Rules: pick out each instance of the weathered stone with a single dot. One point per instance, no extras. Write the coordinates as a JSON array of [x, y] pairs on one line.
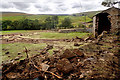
[[12, 75], [64, 65], [20, 56], [56, 51], [68, 54], [44, 67], [80, 39], [89, 41], [7, 53], [17, 58], [9, 56], [78, 52], [76, 44], [19, 53], [74, 60], [11, 39], [49, 46]]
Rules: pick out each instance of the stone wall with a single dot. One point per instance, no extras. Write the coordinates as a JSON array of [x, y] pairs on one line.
[[115, 18], [75, 30]]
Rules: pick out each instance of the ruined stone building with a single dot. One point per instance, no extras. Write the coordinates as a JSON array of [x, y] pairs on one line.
[[107, 20]]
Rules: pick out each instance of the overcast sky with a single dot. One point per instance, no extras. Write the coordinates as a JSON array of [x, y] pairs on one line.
[[51, 6]]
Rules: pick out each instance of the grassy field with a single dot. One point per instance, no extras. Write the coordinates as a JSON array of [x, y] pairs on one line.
[[46, 34], [76, 20], [15, 48], [56, 35], [19, 47], [13, 31]]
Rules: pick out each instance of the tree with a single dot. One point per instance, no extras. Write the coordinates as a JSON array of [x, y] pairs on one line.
[[48, 23], [5, 24], [66, 23], [110, 3], [55, 21]]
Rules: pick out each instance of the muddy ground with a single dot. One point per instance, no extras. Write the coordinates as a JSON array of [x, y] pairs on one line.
[[98, 60]]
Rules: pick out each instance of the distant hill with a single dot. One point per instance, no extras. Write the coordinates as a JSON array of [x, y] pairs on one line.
[[76, 18], [5, 14], [89, 14]]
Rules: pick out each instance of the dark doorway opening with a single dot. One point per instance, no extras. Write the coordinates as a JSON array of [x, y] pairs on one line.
[[104, 23]]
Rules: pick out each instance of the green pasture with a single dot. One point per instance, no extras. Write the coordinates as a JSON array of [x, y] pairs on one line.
[[56, 35], [15, 48], [19, 47], [75, 19]]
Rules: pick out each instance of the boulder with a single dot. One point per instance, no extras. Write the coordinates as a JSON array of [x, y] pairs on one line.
[[68, 54], [78, 52], [64, 65]]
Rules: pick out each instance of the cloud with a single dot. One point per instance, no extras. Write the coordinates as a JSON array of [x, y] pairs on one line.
[[43, 8], [6, 4], [51, 6], [21, 5]]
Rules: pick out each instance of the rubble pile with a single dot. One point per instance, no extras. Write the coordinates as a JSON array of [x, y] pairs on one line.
[[98, 60]]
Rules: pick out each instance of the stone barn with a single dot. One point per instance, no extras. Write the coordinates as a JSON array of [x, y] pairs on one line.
[[107, 20]]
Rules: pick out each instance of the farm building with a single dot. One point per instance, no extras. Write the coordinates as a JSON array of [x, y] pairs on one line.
[[107, 20]]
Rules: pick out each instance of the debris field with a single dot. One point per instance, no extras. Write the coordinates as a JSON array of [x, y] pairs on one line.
[[98, 60]]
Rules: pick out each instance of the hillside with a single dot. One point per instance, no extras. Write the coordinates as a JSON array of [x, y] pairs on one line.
[[76, 18], [5, 14], [90, 14]]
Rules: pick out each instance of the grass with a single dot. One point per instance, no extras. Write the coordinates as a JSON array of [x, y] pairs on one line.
[[15, 48], [56, 35], [47, 35], [13, 31]]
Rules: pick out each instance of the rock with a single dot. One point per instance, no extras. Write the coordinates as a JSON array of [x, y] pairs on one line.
[[7, 53], [80, 39], [89, 41], [64, 65], [74, 60], [19, 53], [12, 75], [9, 56], [49, 46], [44, 67], [78, 52], [20, 56], [11, 39], [68, 54], [21, 34], [79, 64], [56, 51], [76, 44], [81, 76], [103, 34], [17, 58]]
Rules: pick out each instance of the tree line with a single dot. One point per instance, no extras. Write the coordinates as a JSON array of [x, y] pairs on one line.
[[28, 24]]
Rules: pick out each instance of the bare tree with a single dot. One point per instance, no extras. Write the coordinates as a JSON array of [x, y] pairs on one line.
[[110, 3]]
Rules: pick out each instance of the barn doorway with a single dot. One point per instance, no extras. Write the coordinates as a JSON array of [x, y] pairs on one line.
[[104, 23]]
